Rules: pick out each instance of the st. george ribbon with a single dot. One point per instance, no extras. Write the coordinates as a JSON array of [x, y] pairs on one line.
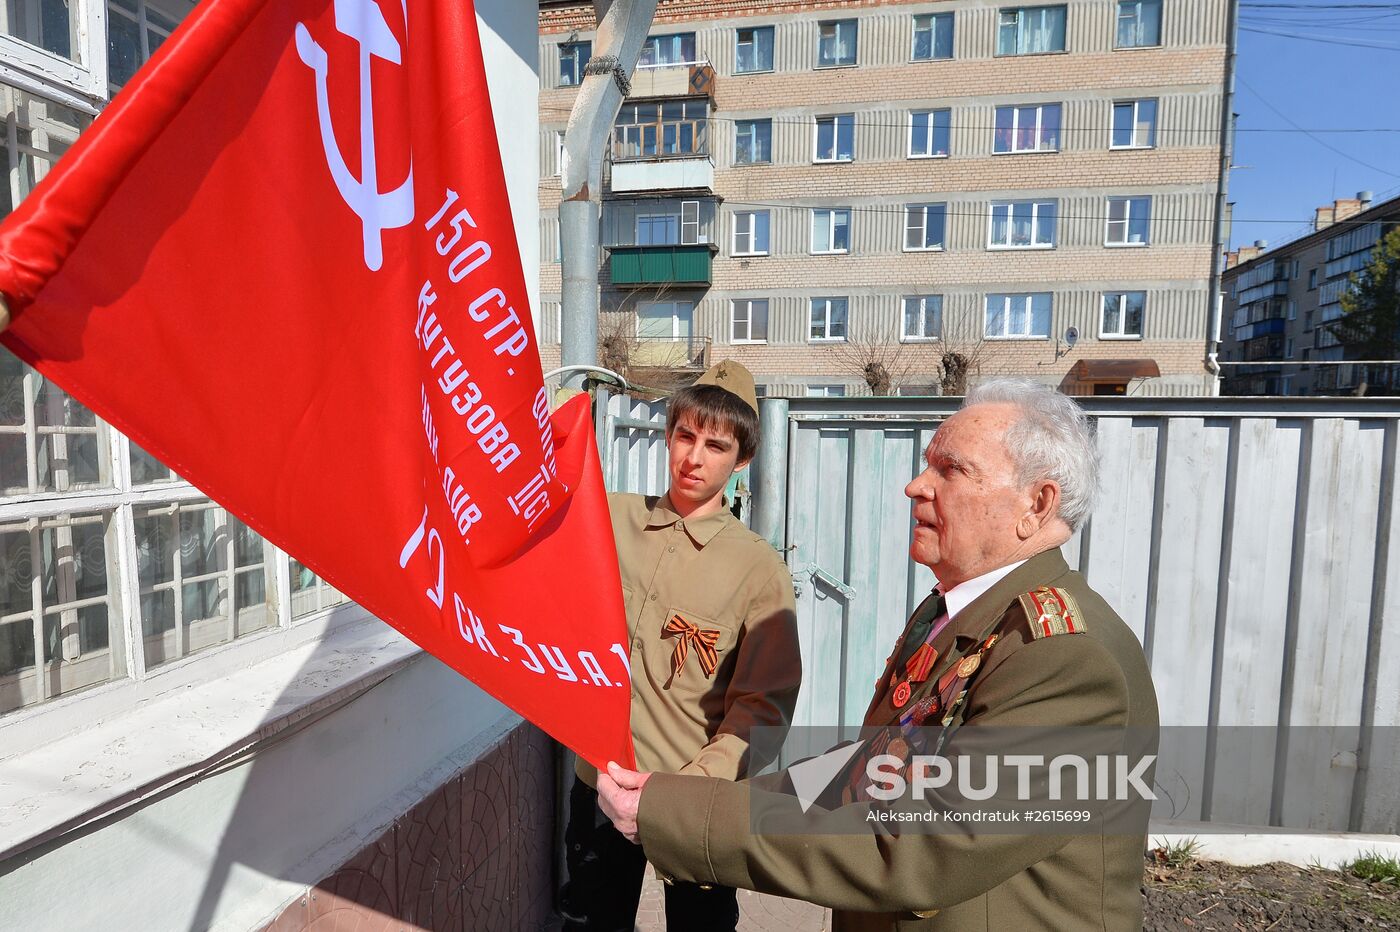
[[283, 262]]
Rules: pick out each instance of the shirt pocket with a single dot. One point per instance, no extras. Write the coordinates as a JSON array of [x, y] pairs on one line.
[[705, 639]]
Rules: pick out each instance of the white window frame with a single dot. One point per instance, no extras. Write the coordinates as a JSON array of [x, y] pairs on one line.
[[1021, 15], [916, 217], [1039, 129], [671, 217], [1037, 209], [1118, 19], [772, 47], [1121, 298], [1135, 103], [1128, 201], [930, 133], [838, 25], [835, 119], [831, 226], [676, 317], [927, 303], [826, 313], [653, 42], [37, 71], [751, 233], [579, 65], [748, 304], [1029, 298], [755, 123], [933, 21], [824, 391]]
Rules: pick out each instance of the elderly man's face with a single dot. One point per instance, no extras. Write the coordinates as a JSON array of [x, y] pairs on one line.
[[967, 502]]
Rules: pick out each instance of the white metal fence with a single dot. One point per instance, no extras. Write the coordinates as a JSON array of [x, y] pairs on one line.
[[1247, 542]]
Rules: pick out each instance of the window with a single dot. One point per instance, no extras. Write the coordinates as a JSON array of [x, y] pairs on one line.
[[1022, 225], [828, 319], [750, 233], [923, 226], [558, 152], [659, 51], [831, 230], [923, 317], [33, 134], [658, 229], [1134, 124], [664, 320], [933, 37], [129, 46], [826, 391], [748, 320], [1288, 348], [661, 129], [1127, 221], [572, 57], [753, 50], [1030, 30], [1018, 316], [1312, 279], [1139, 23], [753, 141], [836, 138], [1122, 315], [836, 43], [928, 133], [1030, 128], [1292, 309]]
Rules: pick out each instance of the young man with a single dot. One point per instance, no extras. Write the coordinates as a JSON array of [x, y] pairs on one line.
[[714, 653]]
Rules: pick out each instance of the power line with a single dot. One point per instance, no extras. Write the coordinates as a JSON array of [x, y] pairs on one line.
[[1355, 43], [1321, 142]]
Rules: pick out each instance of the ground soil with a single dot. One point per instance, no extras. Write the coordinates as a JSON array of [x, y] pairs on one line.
[[1209, 895]]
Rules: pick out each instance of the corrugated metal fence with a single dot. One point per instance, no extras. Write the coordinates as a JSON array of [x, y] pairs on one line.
[[1252, 544]]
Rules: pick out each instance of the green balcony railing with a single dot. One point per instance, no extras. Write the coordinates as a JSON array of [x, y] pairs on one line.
[[660, 265]]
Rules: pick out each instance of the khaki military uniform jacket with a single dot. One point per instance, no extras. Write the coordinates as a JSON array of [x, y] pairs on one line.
[[701, 830], [695, 591]]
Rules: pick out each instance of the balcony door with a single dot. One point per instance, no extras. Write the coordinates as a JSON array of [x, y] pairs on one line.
[[664, 320]]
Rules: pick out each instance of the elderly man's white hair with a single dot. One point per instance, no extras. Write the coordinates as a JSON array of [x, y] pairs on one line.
[[1049, 440]]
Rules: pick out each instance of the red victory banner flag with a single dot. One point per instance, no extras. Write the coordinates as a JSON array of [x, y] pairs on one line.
[[283, 262]]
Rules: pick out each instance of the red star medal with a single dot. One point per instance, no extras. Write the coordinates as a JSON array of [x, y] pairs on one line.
[[901, 695]]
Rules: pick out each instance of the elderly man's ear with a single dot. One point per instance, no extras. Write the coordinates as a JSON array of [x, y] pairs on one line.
[[1044, 509]]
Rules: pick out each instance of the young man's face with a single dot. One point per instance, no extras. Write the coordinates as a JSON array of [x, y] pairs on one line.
[[702, 460]]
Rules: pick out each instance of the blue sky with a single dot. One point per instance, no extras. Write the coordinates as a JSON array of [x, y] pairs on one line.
[[1317, 85]]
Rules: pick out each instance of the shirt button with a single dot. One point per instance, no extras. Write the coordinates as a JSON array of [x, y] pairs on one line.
[[671, 549], [653, 596], [680, 525]]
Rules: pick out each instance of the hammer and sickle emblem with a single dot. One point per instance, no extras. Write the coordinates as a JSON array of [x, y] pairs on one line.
[[362, 21]]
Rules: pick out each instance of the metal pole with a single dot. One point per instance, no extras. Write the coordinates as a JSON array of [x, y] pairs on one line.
[[1222, 191], [621, 31], [769, 472]]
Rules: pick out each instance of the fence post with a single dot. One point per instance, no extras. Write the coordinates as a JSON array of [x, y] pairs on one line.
[[769, 484]]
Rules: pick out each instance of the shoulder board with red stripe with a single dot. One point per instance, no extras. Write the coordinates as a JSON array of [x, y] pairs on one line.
[[1052, 611]]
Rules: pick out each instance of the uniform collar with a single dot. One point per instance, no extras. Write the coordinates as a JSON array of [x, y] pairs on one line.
[[700, 530], [965, 593]]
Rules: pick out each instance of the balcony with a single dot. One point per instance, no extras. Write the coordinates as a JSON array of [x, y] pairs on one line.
[[688, 352], [640, 266], [662, 145], [673, 79], [1260, 328]]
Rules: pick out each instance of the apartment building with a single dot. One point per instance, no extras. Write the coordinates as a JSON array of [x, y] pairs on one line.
[[1278, 303], [826, 191]]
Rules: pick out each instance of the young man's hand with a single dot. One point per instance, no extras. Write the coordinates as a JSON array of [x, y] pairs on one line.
[[619, 795]]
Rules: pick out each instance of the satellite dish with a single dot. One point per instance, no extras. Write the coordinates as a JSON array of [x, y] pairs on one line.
[[1072, 336]]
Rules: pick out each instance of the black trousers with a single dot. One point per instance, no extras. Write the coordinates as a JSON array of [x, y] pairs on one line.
[[605, 880]]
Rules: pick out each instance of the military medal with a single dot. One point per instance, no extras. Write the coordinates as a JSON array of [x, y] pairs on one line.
[[901, 695], [968, 665], [921, 664], [899, 748], [924, 709]]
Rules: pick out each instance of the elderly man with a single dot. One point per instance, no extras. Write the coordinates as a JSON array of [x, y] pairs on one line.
[[1011, 637]]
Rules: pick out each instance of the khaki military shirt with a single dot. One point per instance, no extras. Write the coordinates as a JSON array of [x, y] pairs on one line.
[[724, 833], [715, 576]]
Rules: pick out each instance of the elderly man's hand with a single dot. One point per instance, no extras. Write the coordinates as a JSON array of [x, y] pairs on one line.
[[619, 795]]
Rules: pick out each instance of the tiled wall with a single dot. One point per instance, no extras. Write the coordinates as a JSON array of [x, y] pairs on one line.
[[475, 855]]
